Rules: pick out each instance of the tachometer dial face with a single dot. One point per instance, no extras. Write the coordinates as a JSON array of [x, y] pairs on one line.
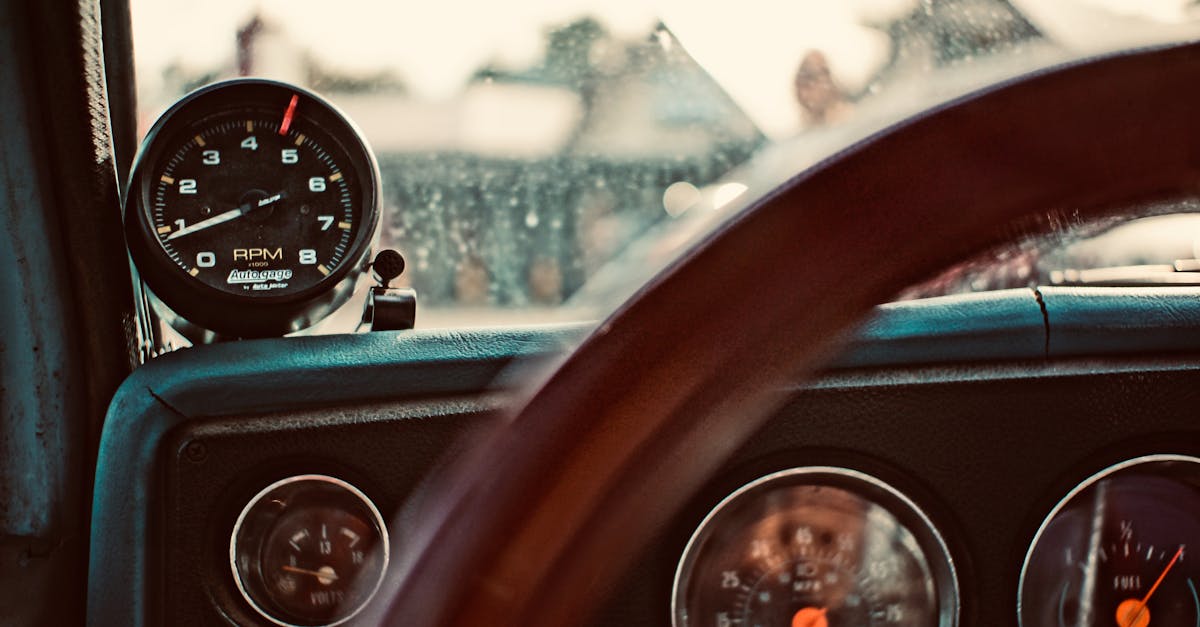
[[816, 547], [308, 550], [248, 209], [1117, 551], [250, 203]]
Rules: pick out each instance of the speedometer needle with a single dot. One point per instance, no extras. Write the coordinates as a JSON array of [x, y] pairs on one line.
[[1130, 610], [222, 218]]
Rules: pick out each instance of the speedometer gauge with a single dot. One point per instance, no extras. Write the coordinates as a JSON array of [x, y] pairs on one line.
[[816, 547], [252, 208]]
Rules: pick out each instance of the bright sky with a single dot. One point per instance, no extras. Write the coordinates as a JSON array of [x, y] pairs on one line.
[[434, 45], [752, 47]]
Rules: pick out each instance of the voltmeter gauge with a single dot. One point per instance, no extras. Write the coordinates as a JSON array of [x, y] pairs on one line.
[[308, 551], [252, 208]]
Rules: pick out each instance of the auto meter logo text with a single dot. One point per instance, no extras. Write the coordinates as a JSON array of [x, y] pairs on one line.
[[242, 277]]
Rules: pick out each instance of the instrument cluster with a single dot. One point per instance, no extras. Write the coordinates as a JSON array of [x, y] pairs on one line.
[[836, 547], [252, 210]]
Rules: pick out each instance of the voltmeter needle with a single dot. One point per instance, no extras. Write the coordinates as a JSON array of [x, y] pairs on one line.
[[326, 574]]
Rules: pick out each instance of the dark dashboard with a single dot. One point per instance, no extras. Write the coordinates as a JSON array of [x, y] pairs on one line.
[[1020, 457], [984, 446]]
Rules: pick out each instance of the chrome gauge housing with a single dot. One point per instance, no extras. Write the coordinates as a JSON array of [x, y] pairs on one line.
[[816, 546], [308, 551], [1119, 549], [252, 208]]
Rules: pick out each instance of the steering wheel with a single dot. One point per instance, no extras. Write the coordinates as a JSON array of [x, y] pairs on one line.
[[534, 525]]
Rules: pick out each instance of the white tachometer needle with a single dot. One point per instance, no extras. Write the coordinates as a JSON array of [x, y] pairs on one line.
[[222, 218]]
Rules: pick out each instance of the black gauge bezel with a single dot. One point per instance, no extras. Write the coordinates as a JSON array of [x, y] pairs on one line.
[[248, 588], [1174, 466], [262, 315], [908, 513]]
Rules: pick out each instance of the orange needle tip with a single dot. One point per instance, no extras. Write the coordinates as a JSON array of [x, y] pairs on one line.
[[1131, 613], [810, 617]]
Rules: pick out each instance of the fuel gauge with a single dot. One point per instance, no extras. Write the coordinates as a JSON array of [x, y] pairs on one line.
[[1119, 551], [308, 551]]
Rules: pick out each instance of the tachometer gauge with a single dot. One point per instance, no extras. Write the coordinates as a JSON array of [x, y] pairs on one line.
[[1118, 551], [816, 547], [309, 550], [252, 208]]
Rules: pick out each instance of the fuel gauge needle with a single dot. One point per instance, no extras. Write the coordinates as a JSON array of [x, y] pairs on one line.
[[222, 218], [1130, 611]]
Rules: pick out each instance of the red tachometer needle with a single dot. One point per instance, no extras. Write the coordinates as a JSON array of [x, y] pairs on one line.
[[1130, 611], [287, 115]]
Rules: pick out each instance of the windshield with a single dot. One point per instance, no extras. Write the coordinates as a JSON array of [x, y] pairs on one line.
[[525, 147]]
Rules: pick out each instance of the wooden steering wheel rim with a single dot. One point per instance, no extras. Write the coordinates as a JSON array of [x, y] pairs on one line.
[[536, 523]]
